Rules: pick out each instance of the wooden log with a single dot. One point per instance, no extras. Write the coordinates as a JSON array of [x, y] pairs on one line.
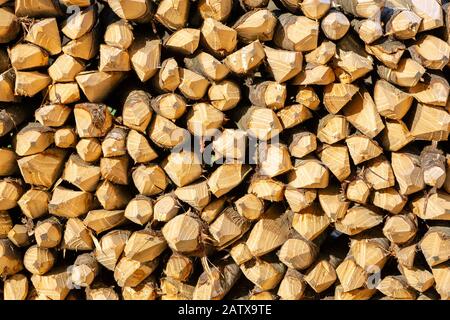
[[70, 203], [337, 95], [215, 9], [433, 91], [332, 128], [336, 158], [361, 112], [113, 59], [38, 260], [268, 94], [33, 138], [361, 8], [52, 115], [146, 290], [65, 138], [89, 149], [322, 54], [207, 65], [310, 222], [43, 8], [84, 270], [407, 73], [96, 85], [79, 23], [299, 199], [15, 287], [212, 209], [408, 173], [173, 14], [8, 163], [312, 172], [185, 239], [10, 25], [18, 235], [431, 207], [25, 56], [6, 224], [178, 267], [115, 169], [283, 64], [315, 9], [99, 291], [182, 167], [165, 133], [29, 83], [333, 203], [139, 148], [389, 199], [296, 33], [165, 208], [423, 129], [431, 14], [434, 245], [215, 283], [77, 236], [403, 24], [357, 294], [176, 290], [85, 47], [54, 285], [322, 275], [138, 11], [335, 25], [419, 279], [92, 120], [400, 229], [10, 192], [103, 220], [110, 247], [370, 251], [298, 253], [351, 66], [145, 245], [10, 258], [307, 97], [65, 68], [358, 191], [379, 173], [139, 210], [351, 275], [227, 177], [315, 74], [192, 85], [119, 34], [369, 30], [395, 135], [362, 148], [441, 274], [358, 219], [218, 38], [224, 95], [302, 144], [249, 206], [168, 77], [170, 105], [50, 164], [264, 274], [256, 24], [197, 195], [145, 56], [64, 93], [7, 84], [267, 188], [112, 196], [204, 120], [396, 287], [34, 202], [240, 253], [184, 41], [391, 102], [48, 233], [246, 59]]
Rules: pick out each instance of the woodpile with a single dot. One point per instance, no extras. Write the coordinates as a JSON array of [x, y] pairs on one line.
[[224, 149]]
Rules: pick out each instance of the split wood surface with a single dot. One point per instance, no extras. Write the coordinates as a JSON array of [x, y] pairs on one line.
[[224, 149]]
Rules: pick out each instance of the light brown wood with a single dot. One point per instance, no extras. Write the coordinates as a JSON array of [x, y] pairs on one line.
[[53, 285], [18, 235], [310, 222], [112, 196], [296, 33], [38, 260], [264, 274], [246, 59], [77, 236], [335, 25], [185, 239], [119, 34], [145, 245], [139, 210], [70, 203], [145, 56], [15, 287], [110, 247], [197, 195], [173, 14]]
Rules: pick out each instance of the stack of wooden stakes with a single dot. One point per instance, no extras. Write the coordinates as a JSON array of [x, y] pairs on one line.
[[224, 149]]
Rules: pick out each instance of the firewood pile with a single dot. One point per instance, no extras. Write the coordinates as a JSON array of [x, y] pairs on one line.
[[224, 149]]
